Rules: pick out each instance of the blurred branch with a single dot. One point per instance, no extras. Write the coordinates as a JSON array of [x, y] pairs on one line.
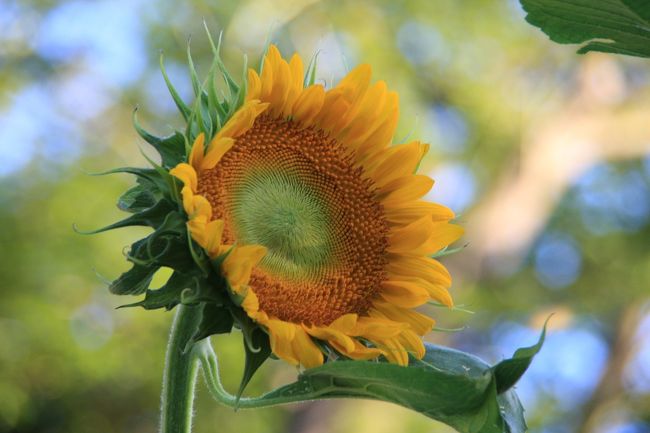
[[594, 126], [610, 388]]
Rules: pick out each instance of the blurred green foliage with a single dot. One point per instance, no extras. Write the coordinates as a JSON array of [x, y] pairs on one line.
[[476, 82]]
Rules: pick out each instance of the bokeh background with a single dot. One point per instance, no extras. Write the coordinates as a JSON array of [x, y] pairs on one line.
[[544, 154]]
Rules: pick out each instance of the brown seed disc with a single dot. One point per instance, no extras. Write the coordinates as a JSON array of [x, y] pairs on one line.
[[298, 192]]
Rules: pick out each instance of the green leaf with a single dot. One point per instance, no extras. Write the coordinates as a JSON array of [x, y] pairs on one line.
[[258, 350], [610, 26], [509, 371], [450, 386]]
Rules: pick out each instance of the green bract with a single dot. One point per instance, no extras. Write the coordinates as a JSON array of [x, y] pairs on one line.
[[155, 202]]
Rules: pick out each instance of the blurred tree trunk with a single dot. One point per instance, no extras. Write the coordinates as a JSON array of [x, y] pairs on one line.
[[313, 417], [610, 390], [598, 123]]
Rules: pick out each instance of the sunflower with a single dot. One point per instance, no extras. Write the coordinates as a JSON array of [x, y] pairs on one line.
[[316, 219]]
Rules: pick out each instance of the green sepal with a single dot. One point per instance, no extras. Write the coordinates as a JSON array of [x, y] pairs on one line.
[[310, 74], [135, 281], [257, 351], [170, 148], [164, 247], [256, 345], [161, 248], [151, 217], [182, 107], [216, 111], [446, 251], [136, 199], [196, 86], [245, 324], [215, 319], [169, 295], [147, 177]]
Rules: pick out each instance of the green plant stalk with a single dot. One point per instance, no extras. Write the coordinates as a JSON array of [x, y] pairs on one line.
[[210, 367], [179, 377]]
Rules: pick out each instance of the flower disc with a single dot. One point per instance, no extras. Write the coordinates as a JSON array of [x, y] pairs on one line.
[[296, 192]]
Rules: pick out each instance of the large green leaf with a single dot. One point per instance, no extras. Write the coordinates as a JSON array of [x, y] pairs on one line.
[[454, 387], [610, 26]]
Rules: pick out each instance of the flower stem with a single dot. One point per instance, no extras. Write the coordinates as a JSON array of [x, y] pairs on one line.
[[179, 377]]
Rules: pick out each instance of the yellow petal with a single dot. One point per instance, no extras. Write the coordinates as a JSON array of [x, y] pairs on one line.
[[196, 154], [281, 335], [243, 119], [297, 71], [444, 234], [376, 326], [438, 292], [397, 161], [405, 189], [217, 149], [331, 335], [281, 87], [295, 86], [345, 323], [196, 227], [418, 322], [424, 237], [355, 83], [358, 351], [309, 104], [364, 116], [412, 343], [333, 110], [254, 85], [425, 268], [404, 294], [412, 211], [393, 351], [238, 265], [271, 60], [377, 138], [409, 238], [188, 200], [305, 350], [186, 174], [201, 207], [213, 232], [251, 304]]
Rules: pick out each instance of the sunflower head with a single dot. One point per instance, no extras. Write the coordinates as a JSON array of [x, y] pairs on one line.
[[285, 210]]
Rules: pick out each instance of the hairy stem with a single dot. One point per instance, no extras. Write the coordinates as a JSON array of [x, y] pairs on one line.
[[179, 377]]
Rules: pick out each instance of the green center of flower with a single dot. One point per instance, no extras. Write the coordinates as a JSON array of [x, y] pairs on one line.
[[277, 210]]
